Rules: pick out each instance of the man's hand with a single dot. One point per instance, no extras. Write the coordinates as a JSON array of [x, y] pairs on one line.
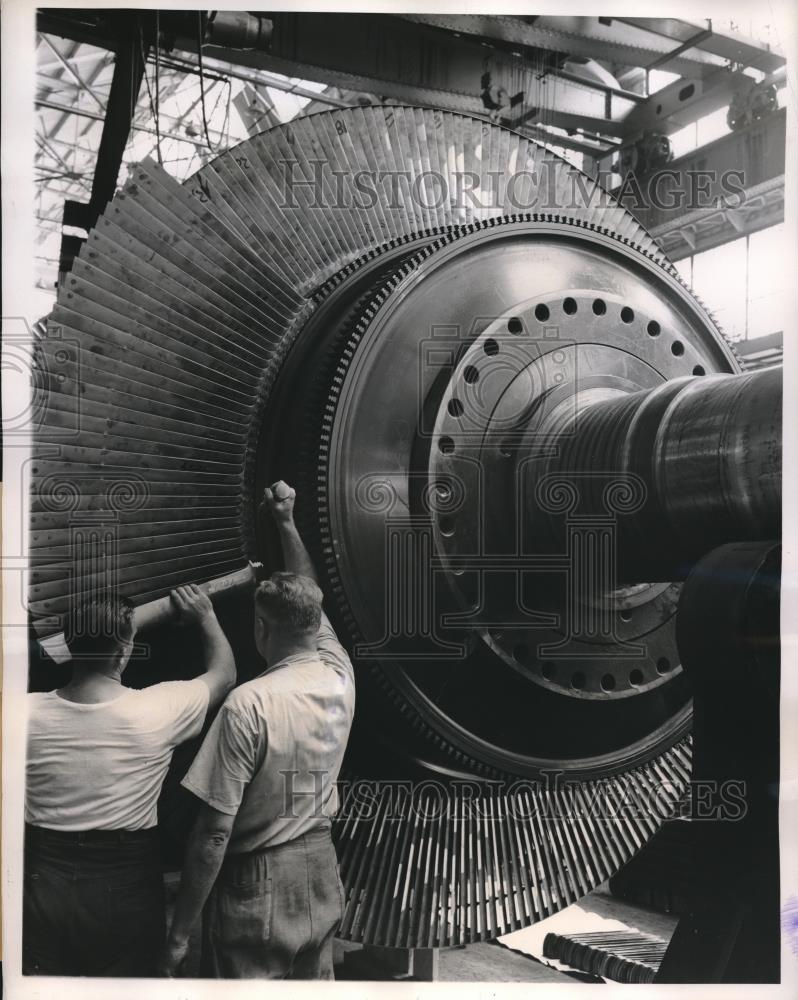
[[172, 957], [205, 851], [192, 604], [279, 499]]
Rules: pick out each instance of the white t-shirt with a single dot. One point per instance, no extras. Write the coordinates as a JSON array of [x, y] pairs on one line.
[[101, 767]]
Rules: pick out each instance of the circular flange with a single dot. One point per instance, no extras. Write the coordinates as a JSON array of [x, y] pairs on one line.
[[388, 373], [527, 375]]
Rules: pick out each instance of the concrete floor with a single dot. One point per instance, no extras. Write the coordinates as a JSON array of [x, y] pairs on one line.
[[485, 962], [490, 963]]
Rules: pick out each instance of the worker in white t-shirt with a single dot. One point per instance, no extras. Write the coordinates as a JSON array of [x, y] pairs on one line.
[[98, 753]]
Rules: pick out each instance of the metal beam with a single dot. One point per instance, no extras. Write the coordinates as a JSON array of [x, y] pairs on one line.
[[398, 58], [55, 141], [563, 142], [72, 72], [694, 203], [79, 25], [628, 41], [48, 173], [103, 55], [542, 134], [627, 95], [727, 45], [45, 145], [258, 77], [596, 126], [710, 227], [99, 67], [379, 54], [683, 102], [84, 113], [122, 99], [55, 82], [41, 102], [668, 58], [577, 36], [57, 126]]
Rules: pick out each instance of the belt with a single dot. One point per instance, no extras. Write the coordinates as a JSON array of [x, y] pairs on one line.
[[319, 834], [42, 834]]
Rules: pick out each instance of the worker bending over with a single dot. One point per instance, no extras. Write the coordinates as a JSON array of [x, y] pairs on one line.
[[261, 851], [98, 753]]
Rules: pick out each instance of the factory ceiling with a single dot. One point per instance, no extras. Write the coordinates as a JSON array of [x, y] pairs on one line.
[[589, 86]]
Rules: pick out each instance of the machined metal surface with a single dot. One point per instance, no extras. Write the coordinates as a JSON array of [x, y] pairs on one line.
[[705, 453], [378, 304]]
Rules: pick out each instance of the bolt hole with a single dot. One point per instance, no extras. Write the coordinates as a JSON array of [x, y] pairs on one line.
[[699, 370], [599, 307], [653, 328], [455, 407], [547, 669], [471, 374], [626, 615], [541, 313], [521, 652], [677, 348], [569, 306], [627, 314], [578, 680], [443, 492], [636, 678], [490, 347], [607, 682], [446, 445], [446, 526], [663, 665], [514, 325]]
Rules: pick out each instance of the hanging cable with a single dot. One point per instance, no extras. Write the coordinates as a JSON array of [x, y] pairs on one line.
[[202, 81], [226, 126], [154, 111], [158, 83]]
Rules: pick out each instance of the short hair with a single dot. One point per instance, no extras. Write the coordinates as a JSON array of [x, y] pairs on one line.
[[99, 628], [290, 603]]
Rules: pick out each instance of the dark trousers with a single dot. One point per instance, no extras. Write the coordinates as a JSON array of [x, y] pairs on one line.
[[273, 913], [93, 903]]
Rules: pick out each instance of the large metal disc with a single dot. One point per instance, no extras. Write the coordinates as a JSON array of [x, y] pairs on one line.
[[266, 319]]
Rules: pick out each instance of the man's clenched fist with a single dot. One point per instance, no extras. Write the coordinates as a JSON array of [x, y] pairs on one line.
[[279, 499]]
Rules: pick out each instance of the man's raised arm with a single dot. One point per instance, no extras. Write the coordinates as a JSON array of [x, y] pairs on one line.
[[279, 499], [220, 666]]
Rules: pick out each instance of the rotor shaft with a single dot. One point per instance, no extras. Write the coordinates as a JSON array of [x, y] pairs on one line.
[[697, 461]]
